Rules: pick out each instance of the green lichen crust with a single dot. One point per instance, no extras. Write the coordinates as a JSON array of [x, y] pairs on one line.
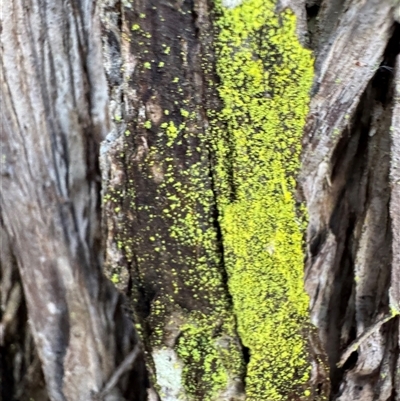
[[265, 78]]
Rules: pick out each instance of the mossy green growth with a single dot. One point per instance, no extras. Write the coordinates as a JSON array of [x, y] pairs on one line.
[[265, 77]]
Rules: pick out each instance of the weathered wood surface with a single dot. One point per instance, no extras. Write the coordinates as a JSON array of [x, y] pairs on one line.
[[394, 296], [347, 150], [54, 115]]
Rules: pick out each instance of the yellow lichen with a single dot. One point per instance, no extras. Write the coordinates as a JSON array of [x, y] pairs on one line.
[[265, 81], [210, 362], [183, 251]]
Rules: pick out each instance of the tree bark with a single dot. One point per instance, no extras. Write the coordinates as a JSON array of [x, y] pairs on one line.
[[162, 234], [21, 375], [349, 147], [54, 114], [196, 152]]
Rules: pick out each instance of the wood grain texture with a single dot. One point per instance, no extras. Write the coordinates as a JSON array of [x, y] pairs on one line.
[[54, 114], [395, 214], [345, 181]]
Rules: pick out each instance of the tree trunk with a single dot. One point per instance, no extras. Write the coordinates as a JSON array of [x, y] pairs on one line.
[[350, 145], [54, 114], [206, 211]]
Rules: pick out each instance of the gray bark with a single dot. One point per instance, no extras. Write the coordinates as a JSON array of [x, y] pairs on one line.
[[350, 145], [54, 115]]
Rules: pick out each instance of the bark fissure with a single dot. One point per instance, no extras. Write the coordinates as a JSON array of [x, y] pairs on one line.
[[350, 233], [21, 376]]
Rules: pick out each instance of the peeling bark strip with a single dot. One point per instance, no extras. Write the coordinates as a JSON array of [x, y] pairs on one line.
[[54, 114], [348, 151]]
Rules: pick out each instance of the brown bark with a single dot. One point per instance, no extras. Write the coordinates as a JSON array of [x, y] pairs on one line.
[[163, 246]]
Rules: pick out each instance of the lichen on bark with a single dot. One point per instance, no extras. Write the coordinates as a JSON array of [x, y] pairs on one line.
[[265, 78], [163, 210], [169, 234]]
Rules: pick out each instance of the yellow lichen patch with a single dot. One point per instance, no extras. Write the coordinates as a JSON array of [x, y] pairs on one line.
[[172, 133], [265, 81], [215, 359]]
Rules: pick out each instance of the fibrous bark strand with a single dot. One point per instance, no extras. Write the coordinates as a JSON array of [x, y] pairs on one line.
[[54, 115]]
